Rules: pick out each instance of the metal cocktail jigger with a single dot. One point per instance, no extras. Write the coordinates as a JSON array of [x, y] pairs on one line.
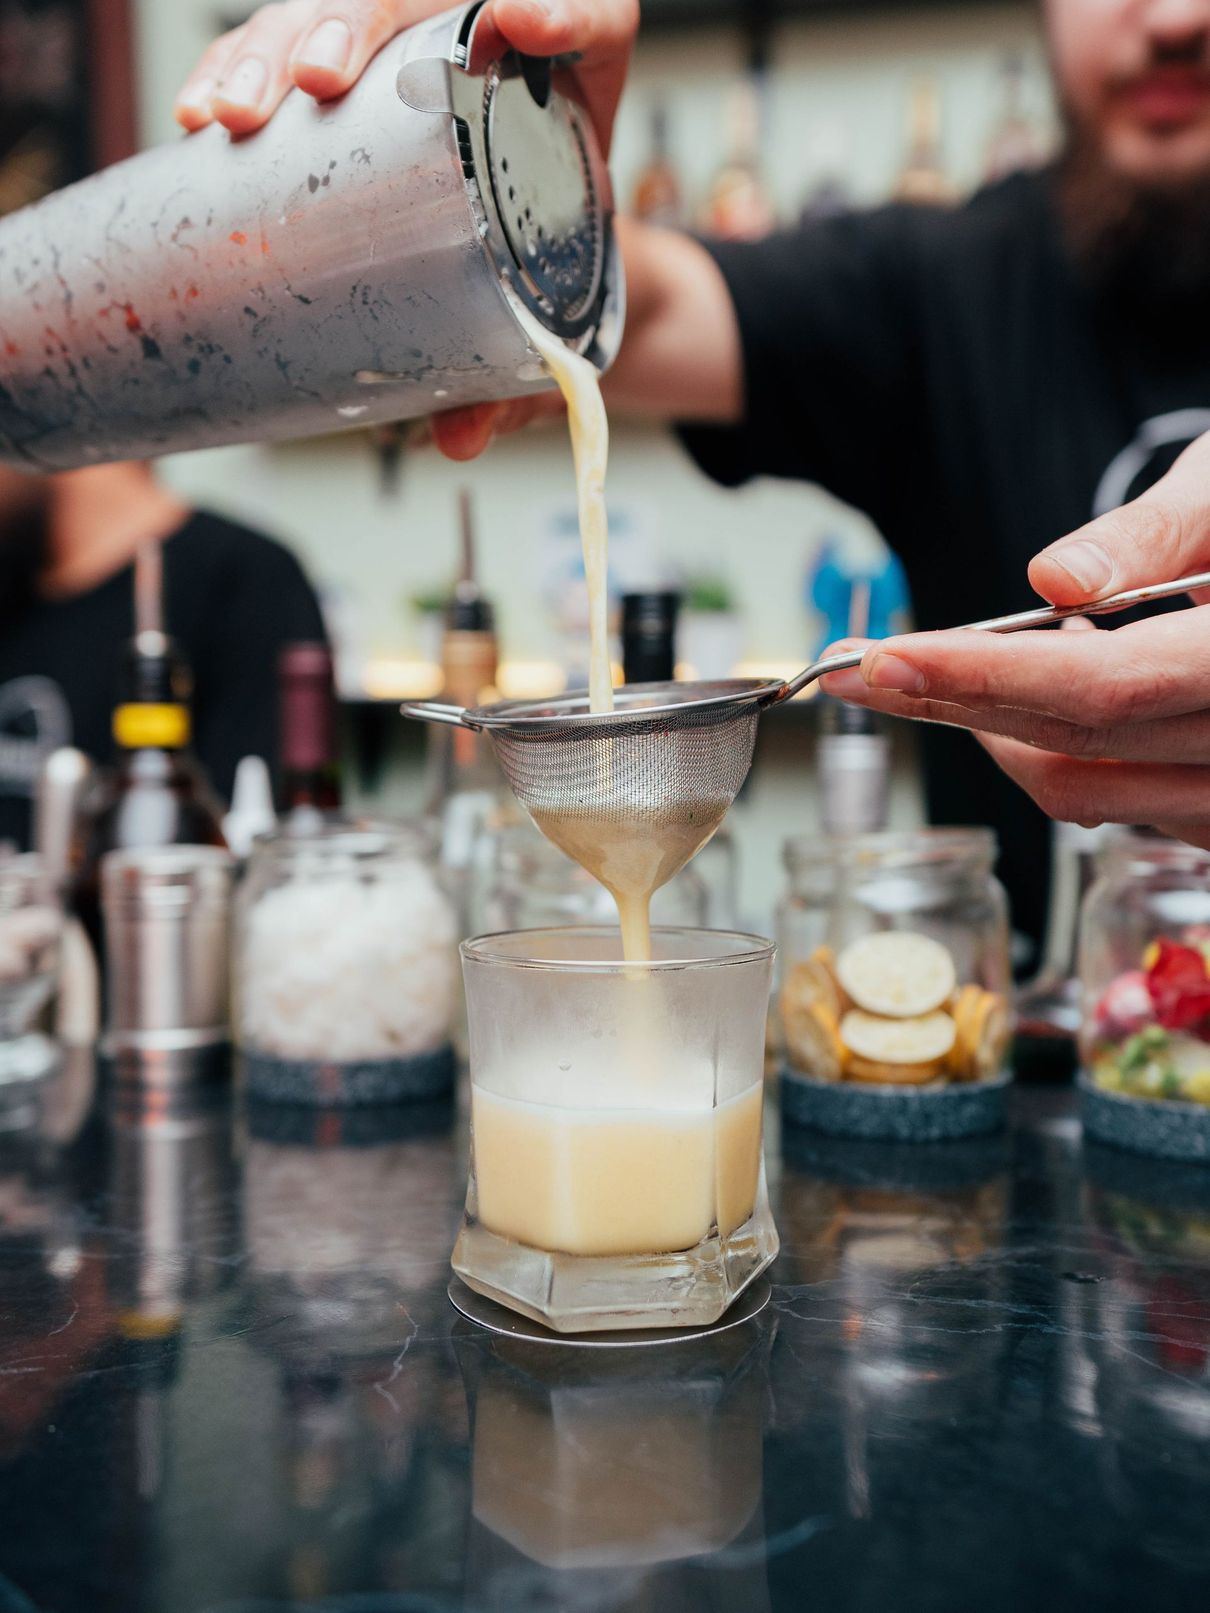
[[351, 263]]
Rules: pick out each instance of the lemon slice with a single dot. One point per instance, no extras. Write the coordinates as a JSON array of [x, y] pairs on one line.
[[897, 972], [812, 981], [986, 1035], [965, 1006], [894, 1075], [923, 1040], [813, 1040]]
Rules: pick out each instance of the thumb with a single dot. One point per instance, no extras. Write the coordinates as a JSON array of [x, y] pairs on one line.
[[1157, 538]]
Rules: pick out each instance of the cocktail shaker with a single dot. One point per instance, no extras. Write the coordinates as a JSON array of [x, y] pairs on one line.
[[351, 263], [166, 911]]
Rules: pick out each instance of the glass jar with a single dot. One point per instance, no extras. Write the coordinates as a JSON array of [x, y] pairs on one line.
[[346, 966], [894, 959], [1144, 976], [31, 926], [533, 885]]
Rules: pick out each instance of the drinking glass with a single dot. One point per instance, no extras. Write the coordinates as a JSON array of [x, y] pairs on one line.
[[616, 1176]]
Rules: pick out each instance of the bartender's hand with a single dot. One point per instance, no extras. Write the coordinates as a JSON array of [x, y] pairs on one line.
[[1099, 726], [323, 47]]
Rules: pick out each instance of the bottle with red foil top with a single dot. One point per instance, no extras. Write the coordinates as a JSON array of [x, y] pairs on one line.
[[310, 770], [1145, 970]]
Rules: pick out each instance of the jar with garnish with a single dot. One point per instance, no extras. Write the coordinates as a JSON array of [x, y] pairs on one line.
[[1145, 988], [894, 996]]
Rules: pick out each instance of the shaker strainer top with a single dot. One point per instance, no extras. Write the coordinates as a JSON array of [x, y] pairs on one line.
[[540, 183]]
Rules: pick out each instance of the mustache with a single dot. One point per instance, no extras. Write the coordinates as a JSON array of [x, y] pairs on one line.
[[1187, 58]]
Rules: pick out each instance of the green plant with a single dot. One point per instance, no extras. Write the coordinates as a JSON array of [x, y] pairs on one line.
[[711, 594], [429, 601]]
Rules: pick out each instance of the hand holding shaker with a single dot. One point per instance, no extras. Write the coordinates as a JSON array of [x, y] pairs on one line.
[[351, 263]]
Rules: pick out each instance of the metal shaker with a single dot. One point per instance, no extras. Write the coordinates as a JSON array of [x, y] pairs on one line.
[[351, 263], [166, 913]]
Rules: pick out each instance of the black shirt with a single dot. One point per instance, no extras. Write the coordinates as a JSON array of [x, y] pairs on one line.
[[232, 598], [951, 374]]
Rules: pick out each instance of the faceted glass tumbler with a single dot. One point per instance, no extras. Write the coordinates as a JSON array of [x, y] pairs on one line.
[[616, 1174]]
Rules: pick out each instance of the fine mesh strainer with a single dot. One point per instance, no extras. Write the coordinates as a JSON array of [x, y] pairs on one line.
[[674, 753]]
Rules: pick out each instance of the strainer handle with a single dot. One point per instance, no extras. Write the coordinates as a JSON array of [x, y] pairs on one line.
[[1044, 616], [435, 711]]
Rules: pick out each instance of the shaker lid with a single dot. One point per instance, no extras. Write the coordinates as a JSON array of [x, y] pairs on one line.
[[525, 139]]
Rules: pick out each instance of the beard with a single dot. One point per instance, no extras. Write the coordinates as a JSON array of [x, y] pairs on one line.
[[24, 555], [1142, 246]]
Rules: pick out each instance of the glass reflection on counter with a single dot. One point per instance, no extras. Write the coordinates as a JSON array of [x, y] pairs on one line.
[[620, 1479], [898, 1244], [1146, 1327], [348, 1240]]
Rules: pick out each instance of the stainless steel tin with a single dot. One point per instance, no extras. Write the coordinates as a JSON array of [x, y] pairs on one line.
[[167, 913], [351, 263]]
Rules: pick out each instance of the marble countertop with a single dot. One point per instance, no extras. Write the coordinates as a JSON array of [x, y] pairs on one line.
[[230, 1380]]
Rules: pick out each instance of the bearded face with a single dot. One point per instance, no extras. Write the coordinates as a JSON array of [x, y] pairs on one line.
[[1133, 78]]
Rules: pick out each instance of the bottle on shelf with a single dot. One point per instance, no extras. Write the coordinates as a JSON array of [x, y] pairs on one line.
[[1015, 142], [739, 206], [825, 155], [923, 178], [467, 792], [156, 792], [854, 752], [649, 636], [657, 193], [310, 772]]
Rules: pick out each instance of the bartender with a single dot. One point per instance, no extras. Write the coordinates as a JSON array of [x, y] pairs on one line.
[[67, 548], [977, 380]]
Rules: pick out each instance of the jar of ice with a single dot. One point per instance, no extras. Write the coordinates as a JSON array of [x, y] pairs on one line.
[[345, 974]]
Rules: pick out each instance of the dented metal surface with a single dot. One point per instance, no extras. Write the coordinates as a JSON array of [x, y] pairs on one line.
[[345, 266]]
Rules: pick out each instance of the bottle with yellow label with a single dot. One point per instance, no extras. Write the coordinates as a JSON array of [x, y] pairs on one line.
[[156, 792]]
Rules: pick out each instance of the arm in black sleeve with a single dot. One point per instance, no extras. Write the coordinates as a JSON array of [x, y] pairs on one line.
[[831, 353]]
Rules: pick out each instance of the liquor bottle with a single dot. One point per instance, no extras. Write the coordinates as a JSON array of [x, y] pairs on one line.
[[922, 177], [466, 787], [657, 192], [854, 748], [825, 155], [1015, 142], [649, 636], [156, 792], [310, 772], [739, 207]]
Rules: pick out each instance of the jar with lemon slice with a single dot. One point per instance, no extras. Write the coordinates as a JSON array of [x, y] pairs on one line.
[[894, 997]]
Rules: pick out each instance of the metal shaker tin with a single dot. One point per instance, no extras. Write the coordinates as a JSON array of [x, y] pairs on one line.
[[351, 263], [167, 913]]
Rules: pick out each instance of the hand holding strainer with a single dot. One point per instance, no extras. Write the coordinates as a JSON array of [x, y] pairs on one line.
[[676, 752]]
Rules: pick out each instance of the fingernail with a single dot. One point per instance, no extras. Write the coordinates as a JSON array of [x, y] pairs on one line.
[[847, 685], [1086, 562], [889, 672], [245, 84], [198, 96], [330, 45]]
